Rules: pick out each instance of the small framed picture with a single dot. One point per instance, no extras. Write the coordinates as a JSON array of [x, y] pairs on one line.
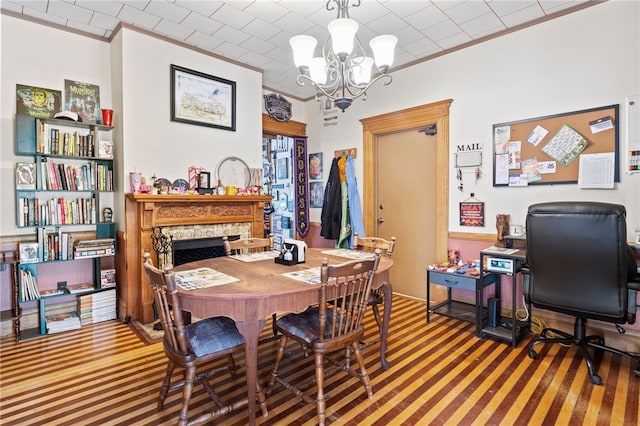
[[317, 194], [204, 180], [315, 166], [105, 149], [25, 176], [28, 252]]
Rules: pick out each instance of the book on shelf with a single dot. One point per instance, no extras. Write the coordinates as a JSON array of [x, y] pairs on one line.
[[62, 322], [54, 244], [80, 288], [97, 307], [51, 292], [28, 286], [107, 278]]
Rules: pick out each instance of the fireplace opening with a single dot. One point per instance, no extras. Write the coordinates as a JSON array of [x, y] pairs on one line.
[[185, 251]]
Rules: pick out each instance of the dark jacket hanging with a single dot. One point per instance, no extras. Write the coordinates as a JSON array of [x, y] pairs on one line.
[[331, 216]]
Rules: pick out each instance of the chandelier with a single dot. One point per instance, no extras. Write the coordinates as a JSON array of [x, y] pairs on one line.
[[343, 72]]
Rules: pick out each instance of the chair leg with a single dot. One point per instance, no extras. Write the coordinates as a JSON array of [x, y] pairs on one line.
[[166, 385], [274, 317], [231, 365], [262, 400], [364, 376], [189, 376], [320, 400], [276, 363]]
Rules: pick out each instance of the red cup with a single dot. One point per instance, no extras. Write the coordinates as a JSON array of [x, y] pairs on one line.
[[107, 117]]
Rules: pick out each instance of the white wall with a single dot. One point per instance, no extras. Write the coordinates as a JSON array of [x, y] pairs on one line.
[[146, 140], [37, 55], [583, 60], [153, 144], [587, 59]]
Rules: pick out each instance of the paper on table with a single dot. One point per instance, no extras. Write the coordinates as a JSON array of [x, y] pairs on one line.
[[500, 250], [309, 276], [193, 279], [257, 256]]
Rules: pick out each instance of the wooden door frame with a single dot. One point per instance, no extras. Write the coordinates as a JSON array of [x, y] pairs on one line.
[[411, 118]]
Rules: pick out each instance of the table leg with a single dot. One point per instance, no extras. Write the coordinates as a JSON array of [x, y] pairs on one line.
[[251, 330], [387, 292]]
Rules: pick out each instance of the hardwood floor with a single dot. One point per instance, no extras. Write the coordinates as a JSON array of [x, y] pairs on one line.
[[440, 375]]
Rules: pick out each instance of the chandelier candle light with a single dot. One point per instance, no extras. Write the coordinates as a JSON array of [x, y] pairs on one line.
[[343, 72]]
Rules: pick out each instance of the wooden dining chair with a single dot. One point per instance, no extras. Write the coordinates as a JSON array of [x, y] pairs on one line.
[[247, 245], [192, 346], [370, 244], [329, 328], [250, 245]]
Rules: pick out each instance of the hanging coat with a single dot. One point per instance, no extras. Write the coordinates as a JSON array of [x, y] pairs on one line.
[[355, 207], [345, 223], [331, 216]]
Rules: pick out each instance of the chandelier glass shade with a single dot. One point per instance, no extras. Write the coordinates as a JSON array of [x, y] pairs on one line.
[[344, 71]]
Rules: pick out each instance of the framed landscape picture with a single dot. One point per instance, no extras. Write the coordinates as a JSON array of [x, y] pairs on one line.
[[202, 99]]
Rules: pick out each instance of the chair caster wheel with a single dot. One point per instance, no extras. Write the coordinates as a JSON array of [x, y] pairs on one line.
[[595, 379], [533, 354]]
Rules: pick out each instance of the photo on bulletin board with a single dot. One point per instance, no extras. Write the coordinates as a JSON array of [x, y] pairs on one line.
[[282, 168], [550, 149]]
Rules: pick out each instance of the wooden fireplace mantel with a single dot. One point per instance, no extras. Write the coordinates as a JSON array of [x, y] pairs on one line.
[[143, 212]]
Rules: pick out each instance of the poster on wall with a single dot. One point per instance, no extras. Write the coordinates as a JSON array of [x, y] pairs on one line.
[[37, 102], [316, 194], [315, 166], [83, 99], [471, 213]]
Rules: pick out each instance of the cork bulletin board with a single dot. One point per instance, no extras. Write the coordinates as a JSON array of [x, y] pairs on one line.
[[547, 150]]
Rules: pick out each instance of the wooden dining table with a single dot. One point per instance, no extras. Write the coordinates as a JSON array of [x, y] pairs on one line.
[[261, 289]]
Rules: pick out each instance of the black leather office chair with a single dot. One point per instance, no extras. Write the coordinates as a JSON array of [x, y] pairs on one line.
[[581, 265]]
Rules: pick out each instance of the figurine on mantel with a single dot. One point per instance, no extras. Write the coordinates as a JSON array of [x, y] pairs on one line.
[[502, 226]]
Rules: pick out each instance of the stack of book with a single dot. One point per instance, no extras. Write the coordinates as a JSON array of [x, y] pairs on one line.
[[62, 322], [97, 307], [94, 248]]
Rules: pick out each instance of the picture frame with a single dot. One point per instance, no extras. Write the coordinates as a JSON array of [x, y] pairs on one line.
[[316, 192], [204, 180], [28, 252], [315, 166], [202, 99], [26, 176], [38, 102]]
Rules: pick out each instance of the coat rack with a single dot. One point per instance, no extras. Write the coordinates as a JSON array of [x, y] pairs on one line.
[[344, 152]]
